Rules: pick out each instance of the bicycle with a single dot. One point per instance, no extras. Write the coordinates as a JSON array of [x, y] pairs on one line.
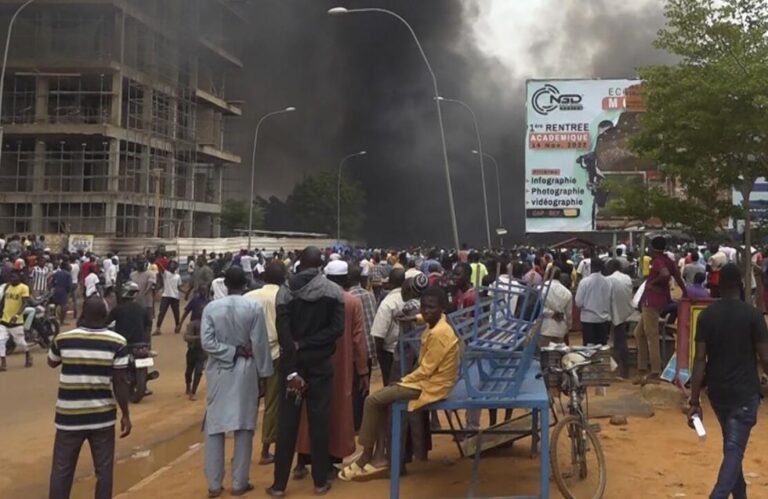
[[576, 456]]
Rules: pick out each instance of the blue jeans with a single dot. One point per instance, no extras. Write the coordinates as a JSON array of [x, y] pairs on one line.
[[736, 422]]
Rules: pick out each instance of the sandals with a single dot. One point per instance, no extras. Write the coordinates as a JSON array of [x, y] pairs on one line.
[[355, 472]]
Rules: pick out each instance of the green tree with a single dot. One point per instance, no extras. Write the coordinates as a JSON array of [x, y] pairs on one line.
[[707, 122], [234, 215], [312, 205]]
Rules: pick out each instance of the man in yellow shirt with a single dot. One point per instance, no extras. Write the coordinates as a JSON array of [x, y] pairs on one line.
[[479, 270], [430, 382], [16, 296], [646, 265]]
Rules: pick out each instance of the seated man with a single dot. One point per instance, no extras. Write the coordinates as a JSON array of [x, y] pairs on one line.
[[430, 382]]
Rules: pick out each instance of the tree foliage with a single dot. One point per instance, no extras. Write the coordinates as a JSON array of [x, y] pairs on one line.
[[235, 215], [312, 205], [706, 123]]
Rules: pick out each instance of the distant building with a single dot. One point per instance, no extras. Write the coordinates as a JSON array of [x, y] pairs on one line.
[[114, 109]]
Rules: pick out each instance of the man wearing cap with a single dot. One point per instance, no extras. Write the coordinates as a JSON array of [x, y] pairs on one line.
[[655, 298]]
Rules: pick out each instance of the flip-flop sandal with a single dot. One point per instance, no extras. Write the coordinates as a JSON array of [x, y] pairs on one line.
[[355, 472]]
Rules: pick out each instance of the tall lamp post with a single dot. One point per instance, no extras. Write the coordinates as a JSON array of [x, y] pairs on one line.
[[5, 64], [253, 165], [482, 166], [340, 11], [498, 186], [338, 191]]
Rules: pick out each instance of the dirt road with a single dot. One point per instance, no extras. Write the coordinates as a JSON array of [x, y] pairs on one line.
[[655, 457], [27, 401]]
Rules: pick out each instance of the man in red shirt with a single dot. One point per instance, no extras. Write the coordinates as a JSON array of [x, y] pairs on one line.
[[464, 296], [655, 298]]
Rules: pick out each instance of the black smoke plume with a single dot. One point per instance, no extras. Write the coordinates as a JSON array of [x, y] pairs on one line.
[[358, 82]]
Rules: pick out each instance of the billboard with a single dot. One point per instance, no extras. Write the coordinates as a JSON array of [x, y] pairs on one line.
[[758, 202], [577, 136]]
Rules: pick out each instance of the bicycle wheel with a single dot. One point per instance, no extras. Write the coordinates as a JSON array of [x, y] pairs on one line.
[[577, 459]]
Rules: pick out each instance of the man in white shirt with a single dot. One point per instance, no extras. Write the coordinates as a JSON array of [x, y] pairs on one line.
[[386, 328], [585, 265], [170, 298], [106, 265], [621, 310], [729, 252], [246, 262], [218, 289], [558, 308], [92, 281], [74, 291], [274, 277], [593, 297]]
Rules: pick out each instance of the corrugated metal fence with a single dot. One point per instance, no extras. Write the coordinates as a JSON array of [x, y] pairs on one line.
[[192, 246]]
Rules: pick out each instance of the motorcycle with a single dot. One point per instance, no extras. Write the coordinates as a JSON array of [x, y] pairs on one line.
[[45, 325], [139, 363]]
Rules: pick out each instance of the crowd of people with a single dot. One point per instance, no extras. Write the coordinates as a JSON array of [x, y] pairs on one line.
[[304, 331]]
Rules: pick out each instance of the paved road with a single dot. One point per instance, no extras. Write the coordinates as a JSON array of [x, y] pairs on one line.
[[28, 397]]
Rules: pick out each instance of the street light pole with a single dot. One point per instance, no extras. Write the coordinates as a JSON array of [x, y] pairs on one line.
[[5, 64], [338, 11], [253, 165], [482, 166], [338, 192], [498, 187]]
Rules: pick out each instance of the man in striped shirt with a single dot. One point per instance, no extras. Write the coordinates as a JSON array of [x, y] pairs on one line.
[[38, 277], [369, 313], [93, 363]]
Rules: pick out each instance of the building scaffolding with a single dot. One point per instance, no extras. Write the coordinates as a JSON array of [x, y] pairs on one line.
[[115, 113]]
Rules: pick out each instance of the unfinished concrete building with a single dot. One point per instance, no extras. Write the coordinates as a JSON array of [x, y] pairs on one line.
[[114, 114]]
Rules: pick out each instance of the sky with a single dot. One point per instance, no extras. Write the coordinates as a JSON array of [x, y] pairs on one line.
[[358, 82]]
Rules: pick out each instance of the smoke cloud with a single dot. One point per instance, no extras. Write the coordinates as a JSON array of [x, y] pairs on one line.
[[358, 82]]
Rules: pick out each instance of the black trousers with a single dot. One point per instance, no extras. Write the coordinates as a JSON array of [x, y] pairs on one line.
[[319, 378], [386, 359], [66, 450], [165, 302], [195, 366], [358, 398], [596, 333]]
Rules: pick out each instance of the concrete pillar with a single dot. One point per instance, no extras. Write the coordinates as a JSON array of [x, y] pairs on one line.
[[116, 110], [113, 185], [146, 109], [41, 99], [38, 186], [113, 169], [110, 217], [38, 168], [145, 224]]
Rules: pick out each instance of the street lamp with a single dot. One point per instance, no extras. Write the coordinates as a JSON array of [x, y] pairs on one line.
[[5, 64], [482, 166], [338, 191], [498, 184], [289, 109], [338, 11]]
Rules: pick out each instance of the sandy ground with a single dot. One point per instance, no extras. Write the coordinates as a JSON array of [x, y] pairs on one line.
[[649, 458], [653, 457], [27, 409]]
